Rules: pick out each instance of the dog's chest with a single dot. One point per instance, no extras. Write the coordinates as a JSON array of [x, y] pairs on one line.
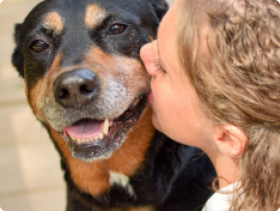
[[123, 181]]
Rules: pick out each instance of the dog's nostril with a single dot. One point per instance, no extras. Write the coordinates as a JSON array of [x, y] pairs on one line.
[[63, 93], [86, 88]]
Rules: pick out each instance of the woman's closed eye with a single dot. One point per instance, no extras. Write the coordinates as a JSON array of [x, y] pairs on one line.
[[158, 66]]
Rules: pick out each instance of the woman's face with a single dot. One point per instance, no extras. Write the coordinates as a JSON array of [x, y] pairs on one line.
[[176, 110]]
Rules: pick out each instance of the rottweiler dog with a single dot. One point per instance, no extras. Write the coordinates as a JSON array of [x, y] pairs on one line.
[[86, 84]]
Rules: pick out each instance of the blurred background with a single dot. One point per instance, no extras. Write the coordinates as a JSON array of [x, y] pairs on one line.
[[30, 174]]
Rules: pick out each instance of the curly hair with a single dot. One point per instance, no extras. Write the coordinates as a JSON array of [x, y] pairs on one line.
[[238, 82]]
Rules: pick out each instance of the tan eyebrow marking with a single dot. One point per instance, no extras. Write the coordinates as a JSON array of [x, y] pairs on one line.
[[53, 22], [94, 15]]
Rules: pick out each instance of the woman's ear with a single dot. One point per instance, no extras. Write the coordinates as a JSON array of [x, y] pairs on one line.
[[230, 139]]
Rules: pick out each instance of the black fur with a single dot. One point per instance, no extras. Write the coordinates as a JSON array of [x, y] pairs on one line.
[[173, 177], [160, 7], [17, 58]]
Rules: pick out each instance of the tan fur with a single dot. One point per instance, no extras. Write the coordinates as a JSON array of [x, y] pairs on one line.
[[138, 141], [92, 177], [55, 65], [36, 96], [53, 23], [94, 16], [132, 209], [127, 70], [139, 209]]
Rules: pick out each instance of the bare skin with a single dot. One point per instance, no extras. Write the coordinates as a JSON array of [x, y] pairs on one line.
[[177, 110]]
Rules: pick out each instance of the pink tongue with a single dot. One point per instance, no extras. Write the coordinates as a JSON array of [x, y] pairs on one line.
[[85, 129]]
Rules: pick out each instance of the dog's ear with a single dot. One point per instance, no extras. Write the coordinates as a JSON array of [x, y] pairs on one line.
[[160, 7], [17, 57]]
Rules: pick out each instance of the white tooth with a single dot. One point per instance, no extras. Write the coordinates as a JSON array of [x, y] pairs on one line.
[[100, 136], [79, 141], [83, 140], [95, 138], [106, 127], [91, 140]]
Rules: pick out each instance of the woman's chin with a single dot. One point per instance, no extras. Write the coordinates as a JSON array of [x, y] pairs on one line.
[[156, 123]]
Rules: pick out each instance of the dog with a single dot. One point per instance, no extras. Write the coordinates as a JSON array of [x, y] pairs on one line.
[[86, 84]]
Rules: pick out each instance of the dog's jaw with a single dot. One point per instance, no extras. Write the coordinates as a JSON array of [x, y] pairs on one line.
[[92, 175], [107, 139]]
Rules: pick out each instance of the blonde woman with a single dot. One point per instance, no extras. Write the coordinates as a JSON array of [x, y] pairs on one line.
[[215, 81]]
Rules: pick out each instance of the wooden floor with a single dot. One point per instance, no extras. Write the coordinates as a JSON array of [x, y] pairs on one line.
[[30, 174]]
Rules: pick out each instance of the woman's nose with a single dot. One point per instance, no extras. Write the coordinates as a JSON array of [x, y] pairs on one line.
[[149, 55]]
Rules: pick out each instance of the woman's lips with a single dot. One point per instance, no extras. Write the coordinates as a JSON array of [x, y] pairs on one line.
[[151, 97]]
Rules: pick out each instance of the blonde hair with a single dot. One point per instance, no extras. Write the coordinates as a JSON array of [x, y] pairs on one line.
[[239, 83]]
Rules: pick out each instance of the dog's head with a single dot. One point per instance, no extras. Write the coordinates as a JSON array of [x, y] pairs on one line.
[[82, 70]]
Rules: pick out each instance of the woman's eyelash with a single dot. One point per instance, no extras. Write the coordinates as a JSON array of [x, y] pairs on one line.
[[158, 66]]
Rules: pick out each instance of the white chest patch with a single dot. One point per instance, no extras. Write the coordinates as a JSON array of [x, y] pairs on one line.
[[121, 180]]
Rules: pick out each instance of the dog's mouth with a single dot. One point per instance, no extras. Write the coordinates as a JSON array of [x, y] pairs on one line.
[[91, 138]]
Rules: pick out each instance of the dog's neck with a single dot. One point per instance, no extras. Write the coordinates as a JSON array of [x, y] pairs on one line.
[[94, 177]]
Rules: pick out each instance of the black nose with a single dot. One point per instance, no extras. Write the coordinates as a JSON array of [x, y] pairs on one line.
[[76, 88]]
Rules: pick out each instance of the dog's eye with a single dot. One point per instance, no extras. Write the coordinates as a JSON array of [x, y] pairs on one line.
[[117, 29], [39, 46]]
